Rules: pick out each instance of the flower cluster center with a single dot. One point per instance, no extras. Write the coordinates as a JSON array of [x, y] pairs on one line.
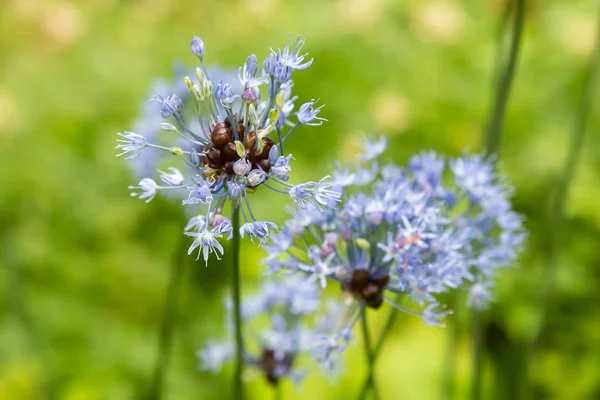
[[223, 154], [367, 288], [274, 368]]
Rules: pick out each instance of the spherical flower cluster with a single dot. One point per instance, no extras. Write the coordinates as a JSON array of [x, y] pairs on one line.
[[223, 134], [403, 231], [283, 347]]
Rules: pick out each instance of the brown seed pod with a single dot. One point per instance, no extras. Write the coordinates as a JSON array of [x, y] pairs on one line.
[[265, 165], [240, 132], [359, 280], [250, 140], [267, 144], [219, 135], [228, 153], [214, 156], [229, 167]]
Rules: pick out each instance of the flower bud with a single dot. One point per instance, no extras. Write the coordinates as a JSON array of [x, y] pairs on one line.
[[194, 158], [252, 64], [249, 96], [256, 177], [176, 151], [241, 167], [167, 127], [197, 46]]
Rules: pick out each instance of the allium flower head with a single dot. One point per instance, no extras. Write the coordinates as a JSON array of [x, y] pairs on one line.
[[229, 138], [400, 231], [285, 346]]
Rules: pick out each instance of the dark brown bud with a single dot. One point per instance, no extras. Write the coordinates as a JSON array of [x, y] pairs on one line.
[[359, 280], [229, 167], [227, 122], [219, 135], [228, 153], [267, 144], [214, 156], [240, 131], [265, 165], [250, 141]]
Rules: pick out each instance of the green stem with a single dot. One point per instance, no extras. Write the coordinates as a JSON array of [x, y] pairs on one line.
[[277, 392], [169, 322], [558, 204], [237, 307], [449, 364], [477, 338], [493, 141], [504, 84], [369, 382]]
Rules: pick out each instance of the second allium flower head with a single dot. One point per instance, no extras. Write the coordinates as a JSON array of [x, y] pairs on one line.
[[234, 142]]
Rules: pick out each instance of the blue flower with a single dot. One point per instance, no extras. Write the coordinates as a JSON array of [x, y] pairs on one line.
[[374, 148], [169, 105], [148, 188], [400, 231], [199, 193], [132, 143], [281, 168], [175, 178], [307, 115], [206, 242], [291, 57], [282, 348], [226, 155], [257, 229]]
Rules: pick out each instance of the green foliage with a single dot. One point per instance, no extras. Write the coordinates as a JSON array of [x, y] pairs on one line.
[[84, 267]]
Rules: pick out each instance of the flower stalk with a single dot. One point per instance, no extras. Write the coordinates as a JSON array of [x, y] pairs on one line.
[[168, 323], [557, 205], [369, 383], [237, 306], [493, 141]]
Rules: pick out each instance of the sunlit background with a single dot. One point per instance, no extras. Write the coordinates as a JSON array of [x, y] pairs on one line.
[[84, 267]]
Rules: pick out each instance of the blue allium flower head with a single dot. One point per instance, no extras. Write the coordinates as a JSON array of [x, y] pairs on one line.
[[228, 137], [284, 348], [400, 231]]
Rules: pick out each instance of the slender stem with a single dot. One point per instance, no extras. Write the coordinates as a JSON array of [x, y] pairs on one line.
[[277, 392], [389, 323], [369, 382], [477, 339], [237, 306], [168, 322], [505, 82], [450, 364], [493, 141], [558, 204]]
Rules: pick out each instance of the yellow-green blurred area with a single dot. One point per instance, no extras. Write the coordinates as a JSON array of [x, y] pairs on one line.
[[84, 267]]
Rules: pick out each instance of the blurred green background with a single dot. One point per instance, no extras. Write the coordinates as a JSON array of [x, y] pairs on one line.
[[84, 267]]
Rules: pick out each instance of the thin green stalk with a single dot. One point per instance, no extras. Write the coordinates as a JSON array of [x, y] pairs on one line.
[[558, 204], [477, 338], [449, 364], [369, 382], [169, 322], [493, 141], [237, 307], [453, 328], [277, 391], [389, 323], [505, 82]]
